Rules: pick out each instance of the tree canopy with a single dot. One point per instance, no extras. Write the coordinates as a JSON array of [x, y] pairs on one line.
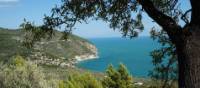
[[123, 15]]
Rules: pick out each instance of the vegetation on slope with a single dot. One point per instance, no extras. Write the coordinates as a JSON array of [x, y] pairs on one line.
[[52, 49], [19, 73]]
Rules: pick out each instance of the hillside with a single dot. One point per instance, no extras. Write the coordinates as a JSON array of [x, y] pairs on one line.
[[47, 52]]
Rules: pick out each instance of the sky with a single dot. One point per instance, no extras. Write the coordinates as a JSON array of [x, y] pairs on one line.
[[14, 11]]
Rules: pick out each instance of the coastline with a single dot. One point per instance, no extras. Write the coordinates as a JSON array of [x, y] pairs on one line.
[[85, 58], [80, 58], [42, 58], [62, 61]]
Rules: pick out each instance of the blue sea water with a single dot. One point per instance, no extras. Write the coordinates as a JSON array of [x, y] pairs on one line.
[[134, 53]]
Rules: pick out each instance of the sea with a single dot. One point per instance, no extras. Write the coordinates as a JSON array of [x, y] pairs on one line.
[[133, 53]]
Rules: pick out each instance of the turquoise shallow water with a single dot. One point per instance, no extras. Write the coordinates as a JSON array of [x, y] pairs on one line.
[[134, 53]]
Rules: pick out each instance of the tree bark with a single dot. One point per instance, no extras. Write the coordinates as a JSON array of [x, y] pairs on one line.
[[186, 40], [195, 5], [188, 52]]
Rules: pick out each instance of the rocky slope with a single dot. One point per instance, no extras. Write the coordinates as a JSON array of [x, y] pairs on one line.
[[54, 52]]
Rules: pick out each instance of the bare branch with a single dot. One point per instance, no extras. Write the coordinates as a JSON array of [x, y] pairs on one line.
[[184, 16]]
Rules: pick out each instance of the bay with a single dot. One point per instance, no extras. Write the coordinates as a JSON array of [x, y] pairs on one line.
[[134, 53]]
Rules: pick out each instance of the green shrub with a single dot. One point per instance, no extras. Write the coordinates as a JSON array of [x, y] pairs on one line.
[[84, 80], [21, 74]]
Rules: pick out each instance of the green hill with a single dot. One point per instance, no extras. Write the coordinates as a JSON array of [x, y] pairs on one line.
[[48, 52]]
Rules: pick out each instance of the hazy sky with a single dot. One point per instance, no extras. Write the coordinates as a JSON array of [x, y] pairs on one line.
[[14, 11]]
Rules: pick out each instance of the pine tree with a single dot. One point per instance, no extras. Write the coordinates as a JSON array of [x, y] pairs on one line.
[[117, 78]]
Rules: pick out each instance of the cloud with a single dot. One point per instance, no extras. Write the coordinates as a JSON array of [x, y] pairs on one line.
[[8, 3]]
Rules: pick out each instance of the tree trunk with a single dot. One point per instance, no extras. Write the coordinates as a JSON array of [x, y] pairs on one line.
[[189, 59]]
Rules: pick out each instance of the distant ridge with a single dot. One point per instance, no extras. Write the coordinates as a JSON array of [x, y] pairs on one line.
[[48, 52]]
